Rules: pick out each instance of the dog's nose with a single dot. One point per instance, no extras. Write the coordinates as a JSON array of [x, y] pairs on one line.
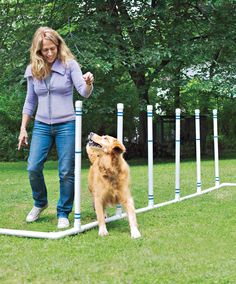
[[90, 135]]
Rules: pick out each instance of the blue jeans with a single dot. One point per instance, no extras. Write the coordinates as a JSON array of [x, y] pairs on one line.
[[43, 138]]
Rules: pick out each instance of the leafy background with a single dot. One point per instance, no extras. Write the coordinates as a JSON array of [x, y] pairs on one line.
[[166, 53]]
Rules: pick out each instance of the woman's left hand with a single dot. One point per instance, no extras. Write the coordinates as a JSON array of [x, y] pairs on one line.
[[88, 77]]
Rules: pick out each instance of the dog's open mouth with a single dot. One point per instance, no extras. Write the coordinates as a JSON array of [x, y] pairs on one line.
[[94, 144]]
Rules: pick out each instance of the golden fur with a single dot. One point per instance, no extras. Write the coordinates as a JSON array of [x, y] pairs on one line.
[[108, 179]]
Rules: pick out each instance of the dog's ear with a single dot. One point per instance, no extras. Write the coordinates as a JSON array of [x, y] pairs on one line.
[[118, 147]]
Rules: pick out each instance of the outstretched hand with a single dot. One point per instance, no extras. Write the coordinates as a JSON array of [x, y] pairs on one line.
[[23, 139], [88, 77]]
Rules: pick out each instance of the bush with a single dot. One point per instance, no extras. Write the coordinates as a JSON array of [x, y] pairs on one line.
[[11, 103]]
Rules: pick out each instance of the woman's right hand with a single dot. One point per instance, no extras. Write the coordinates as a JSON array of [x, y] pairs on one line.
[[23, 139]]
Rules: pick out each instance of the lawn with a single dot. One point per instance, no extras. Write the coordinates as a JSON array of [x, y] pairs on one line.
[[193, 241]]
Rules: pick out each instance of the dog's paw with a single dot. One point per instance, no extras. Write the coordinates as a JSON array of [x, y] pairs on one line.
[[103, 231], [135, 234]]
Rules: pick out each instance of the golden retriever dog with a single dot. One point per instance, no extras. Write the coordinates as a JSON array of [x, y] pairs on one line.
[[108, 180]]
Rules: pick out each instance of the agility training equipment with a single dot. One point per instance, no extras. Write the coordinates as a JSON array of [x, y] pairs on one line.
[[78, 228]]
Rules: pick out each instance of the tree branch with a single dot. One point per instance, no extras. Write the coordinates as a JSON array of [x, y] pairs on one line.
[[157, 70]]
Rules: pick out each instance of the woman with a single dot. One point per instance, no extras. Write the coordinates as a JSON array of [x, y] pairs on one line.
[[50, 79]]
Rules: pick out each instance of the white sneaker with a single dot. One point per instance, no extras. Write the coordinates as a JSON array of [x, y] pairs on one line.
[[35, 213], [63, 223]]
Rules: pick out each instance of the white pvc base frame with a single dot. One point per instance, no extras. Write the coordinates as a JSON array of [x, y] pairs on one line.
[[74, 231], [78, 228]]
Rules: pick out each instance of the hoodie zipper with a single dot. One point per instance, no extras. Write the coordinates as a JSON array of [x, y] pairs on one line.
[[47, 84]]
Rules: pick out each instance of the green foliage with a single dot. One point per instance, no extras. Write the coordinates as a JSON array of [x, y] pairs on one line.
[[197, 94], [11, 103], [228, 123], [133, 48], [103, 118]]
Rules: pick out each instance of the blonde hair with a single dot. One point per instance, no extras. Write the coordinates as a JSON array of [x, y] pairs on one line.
[[40, 68]]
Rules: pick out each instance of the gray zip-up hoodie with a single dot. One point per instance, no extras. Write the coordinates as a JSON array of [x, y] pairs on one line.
[[54, 100]]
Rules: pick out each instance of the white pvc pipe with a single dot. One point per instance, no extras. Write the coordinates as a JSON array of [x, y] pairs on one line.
[[225, 184], [78, 153], [177, 153], [120, 114], [40, 235], [198, 149], [150, 155], [216, 150]]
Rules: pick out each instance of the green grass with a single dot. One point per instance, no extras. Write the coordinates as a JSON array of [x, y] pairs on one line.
[[193, 241]]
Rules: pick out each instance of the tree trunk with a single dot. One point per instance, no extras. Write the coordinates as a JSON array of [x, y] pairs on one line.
[[143, 133], [142, 88]]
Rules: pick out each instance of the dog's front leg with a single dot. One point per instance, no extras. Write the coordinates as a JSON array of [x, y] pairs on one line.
[[100, 217], [129, 205]]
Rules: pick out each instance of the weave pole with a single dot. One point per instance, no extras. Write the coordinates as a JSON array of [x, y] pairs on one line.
[[120, 114], [78, 153], [177, 154], [216, 149], [150, 155], [198, 149]]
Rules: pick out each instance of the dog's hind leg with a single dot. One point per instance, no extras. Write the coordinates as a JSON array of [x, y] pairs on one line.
[[105, 212], [129, 206], [100, 217]]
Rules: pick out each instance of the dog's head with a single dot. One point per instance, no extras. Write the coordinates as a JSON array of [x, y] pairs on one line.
[[99, 145]]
